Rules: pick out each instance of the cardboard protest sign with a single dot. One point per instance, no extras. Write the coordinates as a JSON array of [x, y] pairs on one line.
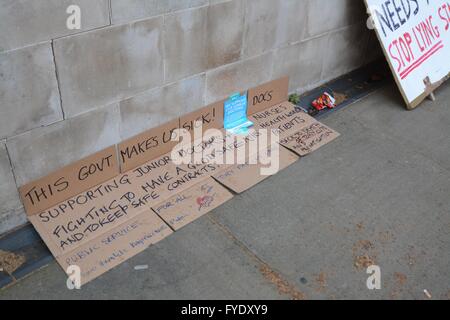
[[69, 181], [77, 220], [309, 138], [210, 117], [189, 205], [147, 145], [268, 95], [415, 37], [115, 246], [285, 117], [241, 177]]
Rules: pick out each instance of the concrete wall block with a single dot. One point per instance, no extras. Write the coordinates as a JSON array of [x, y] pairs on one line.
[[291, 22], [345, 51], [108, 65], [203, 38], [12, 219], [225, 32], [260, 26], [9, 197], [161, 105], [303, 63], [29, 93], [43, 150], [25, 22], [325, 15], [128, 10], [226, 80]]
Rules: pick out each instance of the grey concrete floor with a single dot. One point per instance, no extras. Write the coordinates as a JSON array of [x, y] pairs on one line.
[[380, 192]]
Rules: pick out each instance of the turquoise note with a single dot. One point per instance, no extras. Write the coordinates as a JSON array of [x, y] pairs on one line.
[[235, 114]]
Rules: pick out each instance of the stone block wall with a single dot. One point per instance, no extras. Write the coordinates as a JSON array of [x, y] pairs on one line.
[[134, 64]]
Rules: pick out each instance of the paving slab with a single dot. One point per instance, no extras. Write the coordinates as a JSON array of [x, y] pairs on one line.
[[198, 262]]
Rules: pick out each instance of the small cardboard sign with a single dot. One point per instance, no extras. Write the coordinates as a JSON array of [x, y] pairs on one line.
[[309, 138], [241, 177], [116, 246], [285, 117], [44, 193], [189, 205], [268, 95], [147, 146]]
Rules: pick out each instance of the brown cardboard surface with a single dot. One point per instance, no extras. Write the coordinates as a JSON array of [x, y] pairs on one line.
[[69, 181], [189, 205], [147, 145], [210, 117], [117, 245], [309, 138], [267, 95], [242, 177], [285, 117], [160, 179], [77, 220]]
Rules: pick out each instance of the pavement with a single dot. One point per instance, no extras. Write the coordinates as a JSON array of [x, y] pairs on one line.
[[380, 194]]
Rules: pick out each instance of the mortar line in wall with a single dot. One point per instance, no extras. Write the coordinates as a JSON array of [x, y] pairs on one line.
[[110, 12], [12, 168], [329, 32], [57, 81], [163, 14], [163, 49]]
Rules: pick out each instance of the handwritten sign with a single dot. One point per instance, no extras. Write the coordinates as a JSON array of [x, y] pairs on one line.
[[147, 146], [241, 177], [187, 206], [285, 117], [69, 181], [210, 117], [115, 246], [415, 36], [309, 138], [268, 95]]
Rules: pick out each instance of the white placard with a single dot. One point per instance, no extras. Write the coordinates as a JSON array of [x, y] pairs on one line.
[[415, 36]]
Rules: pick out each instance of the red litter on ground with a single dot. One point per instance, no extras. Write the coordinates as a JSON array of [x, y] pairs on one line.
[[326, 100]]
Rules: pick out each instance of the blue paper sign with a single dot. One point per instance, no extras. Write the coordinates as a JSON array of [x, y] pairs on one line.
[[235, 114]]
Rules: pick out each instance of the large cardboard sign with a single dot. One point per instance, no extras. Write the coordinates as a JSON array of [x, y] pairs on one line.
[[415, 37], [187, 206], [69, 181], [241, 177]]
